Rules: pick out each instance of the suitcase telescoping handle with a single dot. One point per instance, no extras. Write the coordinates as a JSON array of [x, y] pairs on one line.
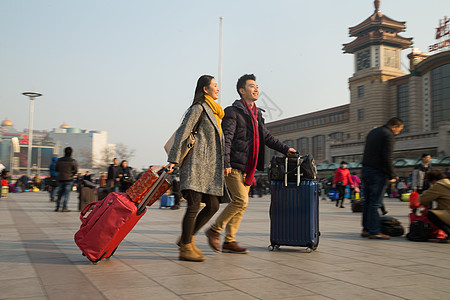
[[286, 172], [151, 192]]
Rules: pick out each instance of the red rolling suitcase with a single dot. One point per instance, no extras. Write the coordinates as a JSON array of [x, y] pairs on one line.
[[109, 222]]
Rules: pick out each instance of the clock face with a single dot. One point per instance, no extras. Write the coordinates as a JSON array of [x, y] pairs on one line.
[[363, 60], [389, 58]]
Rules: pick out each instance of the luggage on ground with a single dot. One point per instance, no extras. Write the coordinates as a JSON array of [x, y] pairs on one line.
[[109, 222], [405, 197], [5, 191], [421, 215], [419, 231], [294, 213], [87, 195], [357, 205], [391, 226], [167, 201], [333, 194]]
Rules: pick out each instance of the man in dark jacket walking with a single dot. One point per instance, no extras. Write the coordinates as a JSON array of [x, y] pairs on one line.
[[245, 136], [66, 167], [376, 171], [114, 175]]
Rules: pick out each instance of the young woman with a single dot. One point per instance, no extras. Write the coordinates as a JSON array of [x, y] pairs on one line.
[[201, 173]]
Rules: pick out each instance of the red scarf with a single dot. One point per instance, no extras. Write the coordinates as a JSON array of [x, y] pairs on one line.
[[250, 168]]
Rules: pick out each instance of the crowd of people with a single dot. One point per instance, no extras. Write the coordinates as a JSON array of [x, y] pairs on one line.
[[221, 168]]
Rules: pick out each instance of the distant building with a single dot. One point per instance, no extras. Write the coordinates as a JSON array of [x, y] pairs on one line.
[[89, 146], [14, 149], [379, 90]]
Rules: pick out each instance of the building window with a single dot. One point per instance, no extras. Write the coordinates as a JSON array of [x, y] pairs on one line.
[[318, 147], [440, 95], [403, 104], [337, 136], [303, 146], [360, 114], [360, 91], [360, 136]]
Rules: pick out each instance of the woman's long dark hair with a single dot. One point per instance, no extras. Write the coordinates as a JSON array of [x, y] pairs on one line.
[[199, 95]]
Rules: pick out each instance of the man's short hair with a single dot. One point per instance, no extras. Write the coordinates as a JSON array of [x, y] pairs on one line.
[[425, 155], [242, 81], [68, 151], [394, 122]]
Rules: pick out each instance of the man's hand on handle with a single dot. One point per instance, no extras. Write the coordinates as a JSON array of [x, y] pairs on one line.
[[291, 151], [227, 171]]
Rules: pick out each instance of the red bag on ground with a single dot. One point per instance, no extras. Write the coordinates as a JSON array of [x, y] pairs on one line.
[[106, 225], [414, 200], [436, 233]]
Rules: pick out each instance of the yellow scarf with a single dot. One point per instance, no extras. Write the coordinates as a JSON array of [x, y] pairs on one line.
[[217, 110]]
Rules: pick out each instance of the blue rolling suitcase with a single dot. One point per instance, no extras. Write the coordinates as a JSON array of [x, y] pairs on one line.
[[167, 201], [294, 213]]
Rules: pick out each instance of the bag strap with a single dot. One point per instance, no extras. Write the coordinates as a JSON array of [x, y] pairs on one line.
[[195, 129], [85, 210]]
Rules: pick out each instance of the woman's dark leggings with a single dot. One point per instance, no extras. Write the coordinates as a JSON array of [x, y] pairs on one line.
[[193, 221], [438, 222], [341, 191]]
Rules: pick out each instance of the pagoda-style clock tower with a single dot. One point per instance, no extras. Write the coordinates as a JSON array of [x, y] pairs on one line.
[[376, 50]]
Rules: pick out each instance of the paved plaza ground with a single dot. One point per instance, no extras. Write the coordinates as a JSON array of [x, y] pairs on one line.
[[39, 259]]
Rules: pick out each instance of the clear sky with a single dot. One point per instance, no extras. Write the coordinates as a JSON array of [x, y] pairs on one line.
[[130, 67]]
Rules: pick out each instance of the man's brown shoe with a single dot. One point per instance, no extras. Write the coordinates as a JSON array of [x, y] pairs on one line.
[[365, 233], [379, 236], [213, 239], [233, 247]]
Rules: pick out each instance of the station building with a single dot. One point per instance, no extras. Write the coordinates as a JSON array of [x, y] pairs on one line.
[[380, 90]]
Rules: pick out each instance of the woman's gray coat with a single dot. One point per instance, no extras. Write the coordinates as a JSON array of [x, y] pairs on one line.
[[202, 169]]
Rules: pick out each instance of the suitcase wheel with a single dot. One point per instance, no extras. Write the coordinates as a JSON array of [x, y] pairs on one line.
[[273, 247]]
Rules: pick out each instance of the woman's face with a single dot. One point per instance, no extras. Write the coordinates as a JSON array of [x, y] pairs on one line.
[[125, 164], [212, 89]]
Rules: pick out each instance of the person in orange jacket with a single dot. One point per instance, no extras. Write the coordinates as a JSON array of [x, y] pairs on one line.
[[342, 178]]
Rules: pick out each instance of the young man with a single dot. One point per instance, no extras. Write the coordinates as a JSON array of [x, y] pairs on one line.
[[114, 176], [66, 167], [419, 184], [245, 135], [376, 171]]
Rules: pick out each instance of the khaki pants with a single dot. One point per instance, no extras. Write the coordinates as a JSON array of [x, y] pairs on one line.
[[231, 216]]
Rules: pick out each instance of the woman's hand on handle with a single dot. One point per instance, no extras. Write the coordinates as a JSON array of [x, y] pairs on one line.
[[169, 167]]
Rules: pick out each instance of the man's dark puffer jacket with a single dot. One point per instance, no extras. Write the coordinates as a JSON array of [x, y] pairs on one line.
[[238, 132]]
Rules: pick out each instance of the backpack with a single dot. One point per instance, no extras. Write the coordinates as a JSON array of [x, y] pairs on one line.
[[419, 231]]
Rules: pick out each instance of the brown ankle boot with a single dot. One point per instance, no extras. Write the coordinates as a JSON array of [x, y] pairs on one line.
[[198, 251], [188, 253]]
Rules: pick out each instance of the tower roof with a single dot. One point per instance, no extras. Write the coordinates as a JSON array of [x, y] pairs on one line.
[[377, 29], [64, 126], [7, 122]]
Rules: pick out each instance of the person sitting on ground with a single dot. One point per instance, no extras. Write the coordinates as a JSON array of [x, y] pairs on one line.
[[439, 191]]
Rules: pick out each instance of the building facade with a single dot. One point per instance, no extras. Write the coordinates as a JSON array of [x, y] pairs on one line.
[[90, 147], [379, 90]]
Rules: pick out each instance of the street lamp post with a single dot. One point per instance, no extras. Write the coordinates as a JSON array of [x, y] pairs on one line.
[[31, 95]]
